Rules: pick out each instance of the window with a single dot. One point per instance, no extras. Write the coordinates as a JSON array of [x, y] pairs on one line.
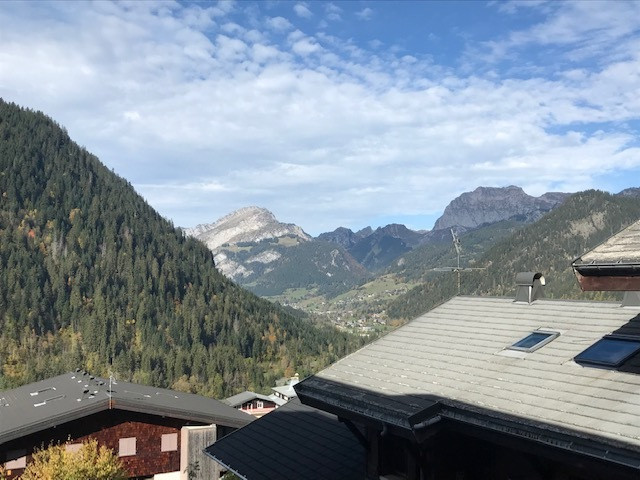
[[127, 447], [169, 442], [534, 341], [16, 459], [610, 351], [260, 404]]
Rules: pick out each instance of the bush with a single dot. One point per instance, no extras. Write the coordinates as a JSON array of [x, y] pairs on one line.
[[90, 462]]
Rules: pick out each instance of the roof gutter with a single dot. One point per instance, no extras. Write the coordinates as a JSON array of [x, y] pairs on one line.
[[582, 444], [608, 269]]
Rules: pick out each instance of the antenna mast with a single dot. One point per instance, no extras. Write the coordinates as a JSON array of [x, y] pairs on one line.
[[458, 247]]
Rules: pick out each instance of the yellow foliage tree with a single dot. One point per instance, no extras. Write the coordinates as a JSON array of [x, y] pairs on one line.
[[90, 462]]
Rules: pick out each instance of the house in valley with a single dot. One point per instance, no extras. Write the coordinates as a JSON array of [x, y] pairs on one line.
[[252, 403], [281, 394], [157, 433]]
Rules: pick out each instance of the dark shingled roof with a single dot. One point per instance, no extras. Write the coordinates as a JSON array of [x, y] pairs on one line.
[[293, 442], [40, 405]]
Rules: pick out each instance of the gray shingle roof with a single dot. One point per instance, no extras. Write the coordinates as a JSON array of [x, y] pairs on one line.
[[454, 356], [70, 396], [621, 248], [291, 443]]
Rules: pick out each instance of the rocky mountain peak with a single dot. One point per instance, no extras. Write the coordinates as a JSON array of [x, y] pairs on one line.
[[248, 224], [494, 204], [630, 192], [341, 235]]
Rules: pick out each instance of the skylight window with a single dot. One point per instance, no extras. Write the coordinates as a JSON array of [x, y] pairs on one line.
[[534, 341], [610, 351]]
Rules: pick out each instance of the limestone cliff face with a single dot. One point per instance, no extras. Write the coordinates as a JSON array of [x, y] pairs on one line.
[[253, 248], [249, 224], [490, 205]]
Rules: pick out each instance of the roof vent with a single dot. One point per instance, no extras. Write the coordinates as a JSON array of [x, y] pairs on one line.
[[529, 287], [631, 299]]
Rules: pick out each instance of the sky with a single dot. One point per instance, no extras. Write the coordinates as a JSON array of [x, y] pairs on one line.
[[344, 113]]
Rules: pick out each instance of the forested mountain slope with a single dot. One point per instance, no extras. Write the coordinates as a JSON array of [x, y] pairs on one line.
[[547, 246], [91, 275]]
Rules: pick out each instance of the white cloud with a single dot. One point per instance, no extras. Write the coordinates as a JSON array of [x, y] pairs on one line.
[[582, 29], [333, 12], [365, 14], [305, 46], [279, 24], [205, 113], [302, 10]]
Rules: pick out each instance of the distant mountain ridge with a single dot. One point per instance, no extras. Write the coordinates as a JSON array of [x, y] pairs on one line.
[[248, 224], [253, 248], [376, 249], [271, 258], [486, 205]]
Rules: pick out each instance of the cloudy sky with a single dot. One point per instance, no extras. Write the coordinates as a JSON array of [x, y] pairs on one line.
[[335, 113]]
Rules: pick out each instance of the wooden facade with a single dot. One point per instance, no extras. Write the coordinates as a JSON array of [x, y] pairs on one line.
[[109, 427]]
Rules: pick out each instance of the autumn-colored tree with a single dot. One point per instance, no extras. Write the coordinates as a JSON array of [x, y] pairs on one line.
[[89, 462]]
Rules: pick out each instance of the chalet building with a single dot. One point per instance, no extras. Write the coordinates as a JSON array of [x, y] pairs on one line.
[[157, 433], [494, 388], [283, 393], [252, 403]]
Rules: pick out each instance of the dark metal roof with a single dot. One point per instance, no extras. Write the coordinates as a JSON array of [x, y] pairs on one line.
[[70, 396], [292, 442]]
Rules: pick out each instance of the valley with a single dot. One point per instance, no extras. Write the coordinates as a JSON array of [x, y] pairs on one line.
[[388, 275]]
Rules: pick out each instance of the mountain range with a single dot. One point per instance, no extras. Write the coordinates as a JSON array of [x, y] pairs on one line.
[[271, 258], [342, 272]]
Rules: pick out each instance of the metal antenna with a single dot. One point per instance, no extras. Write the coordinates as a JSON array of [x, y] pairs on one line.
[[458, 247], [111, 378]]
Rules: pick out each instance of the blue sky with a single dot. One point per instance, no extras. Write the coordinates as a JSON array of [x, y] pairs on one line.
[[335, 113]]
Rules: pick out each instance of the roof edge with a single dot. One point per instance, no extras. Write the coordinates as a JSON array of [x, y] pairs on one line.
[[573, 441], [55, 420], [228, 467], [588, 445]]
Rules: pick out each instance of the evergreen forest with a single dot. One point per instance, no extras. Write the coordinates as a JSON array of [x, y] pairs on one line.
[[92, 277]]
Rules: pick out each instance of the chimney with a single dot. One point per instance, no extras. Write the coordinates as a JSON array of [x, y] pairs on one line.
[[529, 287]]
